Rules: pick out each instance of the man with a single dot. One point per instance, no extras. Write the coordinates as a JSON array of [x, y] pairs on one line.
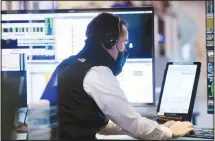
[[89, 93]]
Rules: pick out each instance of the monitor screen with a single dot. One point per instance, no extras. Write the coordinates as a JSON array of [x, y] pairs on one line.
[[17, 80], [178, 89], [13, 70], [136, 81], [38, 76], [46, 36]]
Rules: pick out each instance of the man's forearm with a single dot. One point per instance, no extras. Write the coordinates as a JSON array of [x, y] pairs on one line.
[[112, 129]]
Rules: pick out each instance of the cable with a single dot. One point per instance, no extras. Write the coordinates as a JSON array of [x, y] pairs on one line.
[[26, 113]]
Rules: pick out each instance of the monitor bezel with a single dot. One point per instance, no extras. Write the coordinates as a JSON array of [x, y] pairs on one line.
[[96, 10], [78, 10]]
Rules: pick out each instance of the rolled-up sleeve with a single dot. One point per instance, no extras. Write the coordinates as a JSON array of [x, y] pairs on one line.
[[105, 89]]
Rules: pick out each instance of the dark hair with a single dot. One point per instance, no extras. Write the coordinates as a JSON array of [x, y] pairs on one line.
[[104, 24]]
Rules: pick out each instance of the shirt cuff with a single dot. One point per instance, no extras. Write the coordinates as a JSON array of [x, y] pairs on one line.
[[167, 133]]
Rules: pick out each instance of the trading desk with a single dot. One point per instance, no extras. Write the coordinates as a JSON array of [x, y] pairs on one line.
[[125, 137], [22, 136]]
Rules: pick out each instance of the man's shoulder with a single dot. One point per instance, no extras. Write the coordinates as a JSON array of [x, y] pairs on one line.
[[101, 74], [101, 70], [68, 61]]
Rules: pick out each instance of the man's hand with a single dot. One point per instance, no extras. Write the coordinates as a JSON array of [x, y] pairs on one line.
[[169, 123], [180, 129]]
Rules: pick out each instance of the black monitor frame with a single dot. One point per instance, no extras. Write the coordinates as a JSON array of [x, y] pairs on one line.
[[96, 10]]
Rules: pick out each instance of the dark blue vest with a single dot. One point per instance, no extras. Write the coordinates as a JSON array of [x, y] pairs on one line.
[[79, 117]]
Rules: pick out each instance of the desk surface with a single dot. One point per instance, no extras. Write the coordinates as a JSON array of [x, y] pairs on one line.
[[125, 137], [22, 136]]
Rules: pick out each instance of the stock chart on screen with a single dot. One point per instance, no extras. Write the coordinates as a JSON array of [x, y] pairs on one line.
[[210, 54]]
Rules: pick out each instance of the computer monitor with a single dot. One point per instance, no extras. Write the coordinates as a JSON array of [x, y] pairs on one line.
[[178, 90], [210, 81], [137, 82], [17, 80], [38, 76], [50, 35], [13, 70]]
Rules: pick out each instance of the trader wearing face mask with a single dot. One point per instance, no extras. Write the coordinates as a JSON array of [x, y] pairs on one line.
[[89, 95]]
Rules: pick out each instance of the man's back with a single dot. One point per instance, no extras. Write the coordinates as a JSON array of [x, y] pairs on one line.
[[73, 100], [65, 89], [50, 92]]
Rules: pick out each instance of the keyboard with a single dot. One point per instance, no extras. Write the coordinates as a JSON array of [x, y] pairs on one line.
[[205, 133]]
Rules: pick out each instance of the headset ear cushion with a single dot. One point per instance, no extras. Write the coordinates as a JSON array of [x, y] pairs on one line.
[[110, 42], [113, 42]]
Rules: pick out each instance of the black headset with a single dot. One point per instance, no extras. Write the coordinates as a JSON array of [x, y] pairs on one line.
[[110, 39]]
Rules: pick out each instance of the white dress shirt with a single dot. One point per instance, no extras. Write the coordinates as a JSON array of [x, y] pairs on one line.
[[104, 88]]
